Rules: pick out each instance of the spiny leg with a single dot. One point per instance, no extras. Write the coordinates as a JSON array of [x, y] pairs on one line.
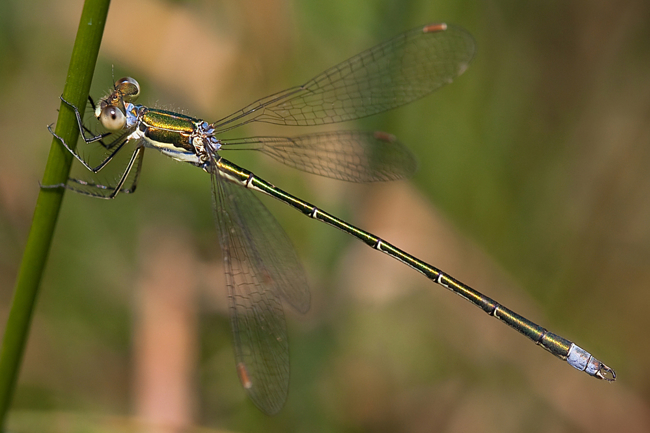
[[107, 191], [121, 140], [80, 122]]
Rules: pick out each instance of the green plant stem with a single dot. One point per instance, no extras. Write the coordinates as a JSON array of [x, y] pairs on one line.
[[80, 72]]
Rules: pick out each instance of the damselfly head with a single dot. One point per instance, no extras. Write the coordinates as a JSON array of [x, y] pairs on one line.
[[110, 110]]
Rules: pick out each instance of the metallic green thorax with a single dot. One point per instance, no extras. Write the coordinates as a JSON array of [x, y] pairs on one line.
[[168, 131]]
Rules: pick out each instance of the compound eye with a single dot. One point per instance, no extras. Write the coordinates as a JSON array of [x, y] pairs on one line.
[[112, 118], [129, 88]]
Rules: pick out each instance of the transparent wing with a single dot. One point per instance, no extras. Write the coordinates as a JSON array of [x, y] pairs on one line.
[[353, 156], [387, 76], [262, 268]]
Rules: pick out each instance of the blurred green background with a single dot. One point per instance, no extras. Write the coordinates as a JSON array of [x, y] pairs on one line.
[[533, 188]]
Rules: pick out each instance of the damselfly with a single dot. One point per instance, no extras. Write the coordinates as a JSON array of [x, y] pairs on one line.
[[262, 268]]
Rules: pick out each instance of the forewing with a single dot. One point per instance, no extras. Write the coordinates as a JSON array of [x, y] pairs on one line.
[[394, 73]]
